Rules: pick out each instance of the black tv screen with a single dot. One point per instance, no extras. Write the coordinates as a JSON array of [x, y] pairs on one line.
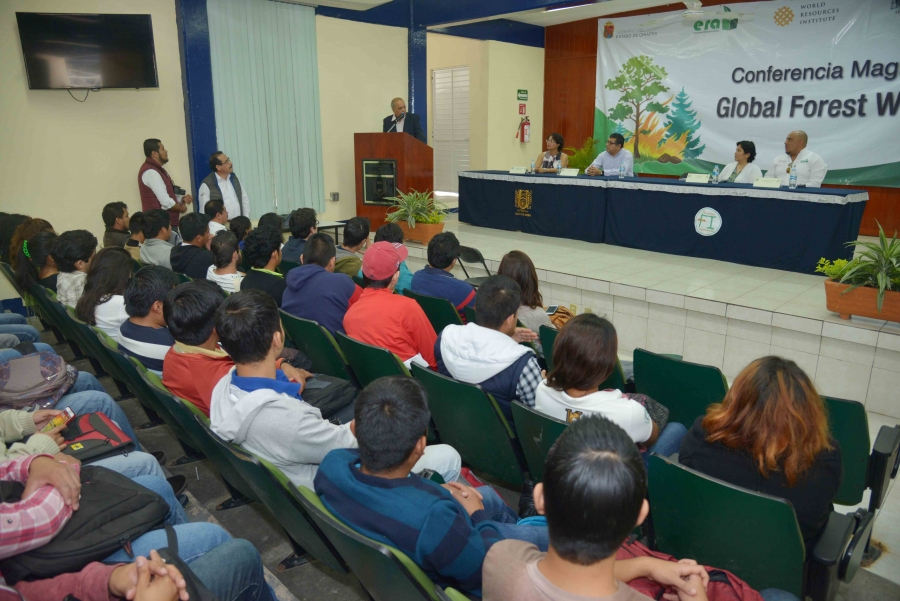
[[87, 51]]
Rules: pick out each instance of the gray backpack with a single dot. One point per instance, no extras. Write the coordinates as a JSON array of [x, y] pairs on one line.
[[36, 380]]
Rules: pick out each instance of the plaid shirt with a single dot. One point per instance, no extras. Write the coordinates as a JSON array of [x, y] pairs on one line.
[[32, 522], [528, 382]]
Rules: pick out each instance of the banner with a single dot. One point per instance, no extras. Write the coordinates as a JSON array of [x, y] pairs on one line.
[[684, 87]]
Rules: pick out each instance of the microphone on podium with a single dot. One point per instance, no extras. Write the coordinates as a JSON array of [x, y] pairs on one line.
[[396, 119]]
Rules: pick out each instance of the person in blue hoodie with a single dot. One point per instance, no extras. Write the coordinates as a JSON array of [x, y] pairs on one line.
[[314, 291], [436, 280]]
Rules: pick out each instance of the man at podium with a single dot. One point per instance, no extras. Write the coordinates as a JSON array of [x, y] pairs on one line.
[[404, 122]]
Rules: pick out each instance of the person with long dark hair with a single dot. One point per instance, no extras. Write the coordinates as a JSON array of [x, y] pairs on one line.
[[23, 232], [518, 266], [39, 266], [102, 304]]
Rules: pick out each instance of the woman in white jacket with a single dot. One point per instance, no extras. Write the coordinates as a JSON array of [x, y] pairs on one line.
[[742, 171]]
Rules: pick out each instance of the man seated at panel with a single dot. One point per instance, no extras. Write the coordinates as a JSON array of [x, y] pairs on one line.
[[259, 407], [115, 218], [262, 251], [445, 528], [436, 278], [613, 160], [302, 224], [314, 291], [809, 167], [193, 257], [145, 335]]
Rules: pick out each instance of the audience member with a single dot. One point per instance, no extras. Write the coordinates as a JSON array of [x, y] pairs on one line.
[[488, 352], [518, 266], [274, 221], [259, 407], [192, 257], [72, 252], [389, 320], [240, 226], [39, 267], [8, 225], [771, 435], [115, 218], [446, 529], [314, 291], [102, 304], [303, 224], [436, 280], [223, 271], [144, 335], [356, 238], [218, 216], [14, 329], [24, 231], [593, 494], [262, 252], [391, 232], [133, 243], [156, 248], [155, 185]]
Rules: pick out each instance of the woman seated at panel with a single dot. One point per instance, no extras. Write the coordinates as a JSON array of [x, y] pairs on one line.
[[546, 161], [518, 266], [771, 435], [742, 171], [584, 356]]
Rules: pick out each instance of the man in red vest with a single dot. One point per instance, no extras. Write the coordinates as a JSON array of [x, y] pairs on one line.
[[156, 186]]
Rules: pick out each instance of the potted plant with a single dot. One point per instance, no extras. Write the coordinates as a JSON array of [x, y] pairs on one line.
[[869, 285], [419, 216], [581, 158]]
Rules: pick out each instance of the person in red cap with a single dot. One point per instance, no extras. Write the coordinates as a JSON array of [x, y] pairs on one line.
[[382, 318]]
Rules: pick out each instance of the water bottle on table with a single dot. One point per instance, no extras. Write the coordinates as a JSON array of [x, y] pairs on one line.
[[532, 166], [621, 172], [556, 164], [715, 175], [792, 182]]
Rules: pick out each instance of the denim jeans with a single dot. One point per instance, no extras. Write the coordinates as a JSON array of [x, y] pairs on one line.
[[774, 594], [160, 486], [15, 324], [194, 540], [441, 458], [132, 465], [233, 571], [505, 520], [8, 341], [8, 354], [669, 441]]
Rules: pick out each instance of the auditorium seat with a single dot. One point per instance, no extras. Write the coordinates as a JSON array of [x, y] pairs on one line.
[[285, 266], [370, 362], [615, 381], [439, 311], [319, 345], [473, 256], [537, 433]]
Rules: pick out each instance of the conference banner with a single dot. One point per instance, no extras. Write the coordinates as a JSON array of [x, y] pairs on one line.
[[684, 87]]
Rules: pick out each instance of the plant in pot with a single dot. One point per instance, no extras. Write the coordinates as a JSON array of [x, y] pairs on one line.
[[581, 158], [419, 216], [869, 285]]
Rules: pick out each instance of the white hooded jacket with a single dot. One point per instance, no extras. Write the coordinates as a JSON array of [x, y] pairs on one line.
[[473, 354]]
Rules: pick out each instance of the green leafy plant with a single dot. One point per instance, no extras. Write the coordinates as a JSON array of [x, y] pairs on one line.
[[581, 158], [877, 266], [415, 207]]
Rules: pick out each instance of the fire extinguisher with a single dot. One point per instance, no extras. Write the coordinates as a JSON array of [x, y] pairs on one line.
[[523, 133]]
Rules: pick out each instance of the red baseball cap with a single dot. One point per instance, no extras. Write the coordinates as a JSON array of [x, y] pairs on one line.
[[382, 260]]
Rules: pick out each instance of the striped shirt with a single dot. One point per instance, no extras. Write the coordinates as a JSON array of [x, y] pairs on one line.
[[147, 345]]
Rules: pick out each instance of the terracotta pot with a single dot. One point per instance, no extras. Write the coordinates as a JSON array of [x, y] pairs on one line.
[[422, 233], [862, 301]]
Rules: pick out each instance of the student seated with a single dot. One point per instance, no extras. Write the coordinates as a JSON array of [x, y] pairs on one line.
[[391, 232], [303, 224], [356, 238], [133, 243], [446, 529], [218, 216], [518, 266], [192, 257], [144, 335], [240, 226], [771, 435], [262, 250], [258, 406], [23, 232], [436, 280], [115, 218], [584, 355], [382, 318], [488, 352], [102, 304], [314, 291], [274, 221], [593, 495], [157, 230], [72, 253], [224, 271], [38, 266]]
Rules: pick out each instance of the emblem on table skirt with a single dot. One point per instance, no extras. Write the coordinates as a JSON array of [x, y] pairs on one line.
[[523, 203], [707, 221]]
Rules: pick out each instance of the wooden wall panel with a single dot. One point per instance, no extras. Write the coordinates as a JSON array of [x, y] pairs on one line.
[[570, 76]]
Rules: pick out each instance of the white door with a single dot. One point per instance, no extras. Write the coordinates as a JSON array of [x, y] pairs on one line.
[[450, 126]]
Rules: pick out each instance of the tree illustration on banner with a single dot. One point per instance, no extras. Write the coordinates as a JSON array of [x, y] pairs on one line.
[[682, 121], [639, 82]]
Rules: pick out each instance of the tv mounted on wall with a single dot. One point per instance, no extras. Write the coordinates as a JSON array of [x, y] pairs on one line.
[[83, 51]]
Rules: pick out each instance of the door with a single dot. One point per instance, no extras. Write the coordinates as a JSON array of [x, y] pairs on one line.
[[450, 122]]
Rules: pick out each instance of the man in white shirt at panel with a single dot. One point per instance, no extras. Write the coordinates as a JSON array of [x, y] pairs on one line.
[[155, 185], [222, 184], [613, 159], [809, 166]]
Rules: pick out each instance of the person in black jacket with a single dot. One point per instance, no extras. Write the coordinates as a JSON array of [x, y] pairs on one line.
[[404, 122], [193, 256], [771, 435], [262, 250]]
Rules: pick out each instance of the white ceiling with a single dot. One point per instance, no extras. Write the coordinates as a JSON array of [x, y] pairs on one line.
[[346, 4], [607, 7]]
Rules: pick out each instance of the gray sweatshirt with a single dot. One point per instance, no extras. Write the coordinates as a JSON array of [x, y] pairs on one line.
[[277, 427], [156, 252]]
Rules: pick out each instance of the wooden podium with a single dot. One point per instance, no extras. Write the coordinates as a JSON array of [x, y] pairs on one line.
[[386, 164]]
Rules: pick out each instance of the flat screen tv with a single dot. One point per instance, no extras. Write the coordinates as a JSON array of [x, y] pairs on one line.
[[76, 51]]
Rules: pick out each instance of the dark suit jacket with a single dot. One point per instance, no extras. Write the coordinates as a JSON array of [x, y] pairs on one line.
[[411, 126]]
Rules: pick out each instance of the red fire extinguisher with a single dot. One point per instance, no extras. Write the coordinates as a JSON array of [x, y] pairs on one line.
[[523, 133]]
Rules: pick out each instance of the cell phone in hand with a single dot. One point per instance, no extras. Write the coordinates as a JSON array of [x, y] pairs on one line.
[[552, 309], [63, 418]]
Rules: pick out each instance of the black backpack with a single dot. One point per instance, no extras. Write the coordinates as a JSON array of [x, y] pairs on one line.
[[113, 512]]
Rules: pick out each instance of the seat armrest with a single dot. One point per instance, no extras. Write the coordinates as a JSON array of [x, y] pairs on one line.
[[883, 463], [834, 539]]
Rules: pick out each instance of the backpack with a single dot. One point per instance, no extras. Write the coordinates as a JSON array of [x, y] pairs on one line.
[[195, 588], [723, 585], [94, 436], [113, 512], [35, 380]]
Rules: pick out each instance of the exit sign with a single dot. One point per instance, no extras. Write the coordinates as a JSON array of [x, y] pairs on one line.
[[522, 95]]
